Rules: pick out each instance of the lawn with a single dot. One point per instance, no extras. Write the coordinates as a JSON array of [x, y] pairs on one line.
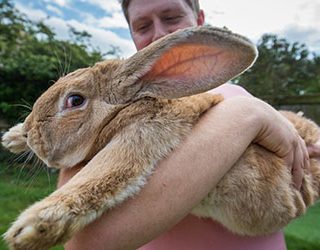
[[304, 232], [20, 188]]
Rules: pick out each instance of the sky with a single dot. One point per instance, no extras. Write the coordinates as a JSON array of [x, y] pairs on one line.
[[295, 20]]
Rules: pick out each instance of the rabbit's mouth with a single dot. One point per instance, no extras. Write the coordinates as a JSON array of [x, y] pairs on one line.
[[39, 152], [61, 163], [58, 158]]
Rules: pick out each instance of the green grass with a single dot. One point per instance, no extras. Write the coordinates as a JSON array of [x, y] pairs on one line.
[[304, 232], [20, 188]]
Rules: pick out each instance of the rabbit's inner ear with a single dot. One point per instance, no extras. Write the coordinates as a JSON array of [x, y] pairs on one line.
[[188, 62], [189, 69]]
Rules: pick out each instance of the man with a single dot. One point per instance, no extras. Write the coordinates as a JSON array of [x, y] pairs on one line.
[[175, 188]]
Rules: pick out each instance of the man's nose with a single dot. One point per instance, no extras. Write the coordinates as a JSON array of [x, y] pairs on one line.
[[160, 30]]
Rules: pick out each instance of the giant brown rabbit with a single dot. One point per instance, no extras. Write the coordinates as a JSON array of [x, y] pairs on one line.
[[121, 117]]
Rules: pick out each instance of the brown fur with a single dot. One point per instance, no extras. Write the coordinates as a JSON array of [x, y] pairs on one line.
[[135, 114], [257, 195]]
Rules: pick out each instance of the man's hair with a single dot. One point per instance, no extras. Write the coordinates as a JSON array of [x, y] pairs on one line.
[[194, 5]]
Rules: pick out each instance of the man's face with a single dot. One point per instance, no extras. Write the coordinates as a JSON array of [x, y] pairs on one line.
[[151, 20]]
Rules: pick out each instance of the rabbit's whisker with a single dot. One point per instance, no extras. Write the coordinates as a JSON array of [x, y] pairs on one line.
[[13, 160], [23, 105], [69, 63], [25, 163], [59, 66], [35, 173], [48, 175], [65, 62]]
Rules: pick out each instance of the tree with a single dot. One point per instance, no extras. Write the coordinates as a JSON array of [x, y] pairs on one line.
[[282, 69]]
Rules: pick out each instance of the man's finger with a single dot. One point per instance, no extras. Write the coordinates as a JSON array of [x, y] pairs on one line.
[[314, 150], [306, 159], [289, 159], [297, 167]]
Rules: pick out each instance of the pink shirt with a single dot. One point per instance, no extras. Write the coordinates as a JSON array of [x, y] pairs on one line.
[[193, 233]]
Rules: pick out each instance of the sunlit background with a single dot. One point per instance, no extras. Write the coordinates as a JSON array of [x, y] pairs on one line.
[[296, 20], [64, 35]]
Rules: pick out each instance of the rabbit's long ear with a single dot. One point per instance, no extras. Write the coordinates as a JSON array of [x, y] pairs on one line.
[[187, 62]]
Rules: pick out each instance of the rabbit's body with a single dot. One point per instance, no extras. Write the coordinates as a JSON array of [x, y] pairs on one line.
[[257, 195], [119, 118]]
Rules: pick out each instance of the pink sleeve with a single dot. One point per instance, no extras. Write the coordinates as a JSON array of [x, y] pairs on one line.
[[229, 90]]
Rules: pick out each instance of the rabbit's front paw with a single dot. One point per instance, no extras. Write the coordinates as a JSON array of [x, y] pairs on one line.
[[39, 227]]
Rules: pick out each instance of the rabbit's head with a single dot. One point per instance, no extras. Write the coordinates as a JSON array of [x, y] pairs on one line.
[[69, 116]]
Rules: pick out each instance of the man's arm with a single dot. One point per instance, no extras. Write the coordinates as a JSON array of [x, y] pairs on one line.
[[181, 181]]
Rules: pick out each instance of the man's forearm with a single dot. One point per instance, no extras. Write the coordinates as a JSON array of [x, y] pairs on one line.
[[179, 183]]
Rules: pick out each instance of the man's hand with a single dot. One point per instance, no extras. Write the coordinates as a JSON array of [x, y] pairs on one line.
[[278, 135]]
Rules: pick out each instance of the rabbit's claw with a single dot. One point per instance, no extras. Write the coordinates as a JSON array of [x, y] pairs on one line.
[[39, 227]]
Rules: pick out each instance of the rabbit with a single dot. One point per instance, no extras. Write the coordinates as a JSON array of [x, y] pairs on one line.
[[121, 117]]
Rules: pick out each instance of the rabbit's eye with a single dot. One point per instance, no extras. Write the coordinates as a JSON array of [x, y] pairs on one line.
[[74, 101]]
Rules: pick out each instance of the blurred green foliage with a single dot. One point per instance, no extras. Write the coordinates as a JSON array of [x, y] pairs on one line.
[[283, 70]]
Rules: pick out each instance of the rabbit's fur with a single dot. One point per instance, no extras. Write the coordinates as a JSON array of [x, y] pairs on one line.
[[134, 114]]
